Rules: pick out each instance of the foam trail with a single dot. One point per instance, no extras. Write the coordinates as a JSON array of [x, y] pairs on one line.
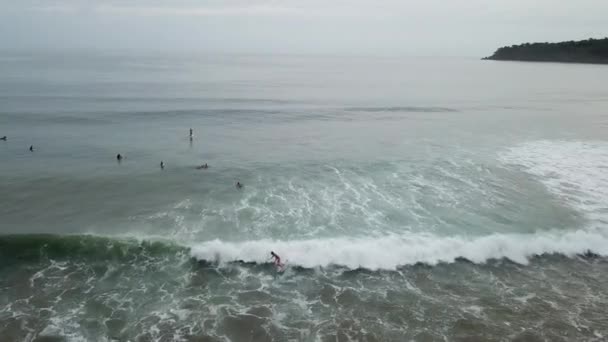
[[397, 250], [576, 171], [572, 170]]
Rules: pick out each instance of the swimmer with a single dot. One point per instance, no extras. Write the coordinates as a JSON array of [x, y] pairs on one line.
[[119, 157], [239, 185], [31, 148], [3, 138], [162, 165]]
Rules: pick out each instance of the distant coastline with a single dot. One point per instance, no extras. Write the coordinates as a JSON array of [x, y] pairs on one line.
[[594, 51]]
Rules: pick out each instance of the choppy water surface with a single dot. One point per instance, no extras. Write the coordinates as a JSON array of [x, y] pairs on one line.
[[413, 199]]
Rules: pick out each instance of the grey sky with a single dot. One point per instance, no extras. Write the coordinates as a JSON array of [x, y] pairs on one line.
[[389, 27]]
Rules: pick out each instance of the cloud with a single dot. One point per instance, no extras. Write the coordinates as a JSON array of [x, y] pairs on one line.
[[214, 7], [194, 11], [393, 26], [57, 8], [431, 9]]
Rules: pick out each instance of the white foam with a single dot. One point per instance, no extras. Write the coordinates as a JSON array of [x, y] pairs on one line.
[[575, 171], [397, 250]]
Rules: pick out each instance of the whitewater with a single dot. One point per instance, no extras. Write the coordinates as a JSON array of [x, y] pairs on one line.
[[574, 171]]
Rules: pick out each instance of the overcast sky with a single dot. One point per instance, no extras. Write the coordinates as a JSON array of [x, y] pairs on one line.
[[367, 27]]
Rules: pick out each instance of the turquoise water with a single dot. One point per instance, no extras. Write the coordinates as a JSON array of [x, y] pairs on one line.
[[413, 199]]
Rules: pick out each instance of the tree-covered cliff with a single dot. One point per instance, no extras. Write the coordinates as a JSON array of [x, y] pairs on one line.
[[584, 51]]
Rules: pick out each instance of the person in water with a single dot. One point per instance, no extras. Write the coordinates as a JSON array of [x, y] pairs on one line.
[[31, 148], [239, 185], [162, 165], [204, 166], [119, 157], [3, 138], [276, 259]]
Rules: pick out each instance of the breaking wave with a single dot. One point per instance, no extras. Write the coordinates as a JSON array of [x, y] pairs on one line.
[[392, 252], [385, 253]]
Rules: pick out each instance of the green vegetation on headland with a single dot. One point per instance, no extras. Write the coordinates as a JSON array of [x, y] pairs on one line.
[[584, 51]]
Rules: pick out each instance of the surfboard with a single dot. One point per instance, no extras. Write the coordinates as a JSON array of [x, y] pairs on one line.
[[281, 268]]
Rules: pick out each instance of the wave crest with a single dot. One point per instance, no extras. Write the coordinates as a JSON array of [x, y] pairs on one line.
[[391, 252], [383, 253]]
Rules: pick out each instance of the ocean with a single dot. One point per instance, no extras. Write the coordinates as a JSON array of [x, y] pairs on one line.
[[411, 199]]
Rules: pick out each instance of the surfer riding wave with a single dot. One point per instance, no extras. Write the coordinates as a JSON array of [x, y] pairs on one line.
[[277, 260]]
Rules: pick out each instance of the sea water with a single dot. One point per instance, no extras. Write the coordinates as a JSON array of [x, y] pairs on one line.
[[426, 199]]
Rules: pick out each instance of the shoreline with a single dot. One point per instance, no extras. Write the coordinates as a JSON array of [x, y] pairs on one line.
[[541, 61]]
